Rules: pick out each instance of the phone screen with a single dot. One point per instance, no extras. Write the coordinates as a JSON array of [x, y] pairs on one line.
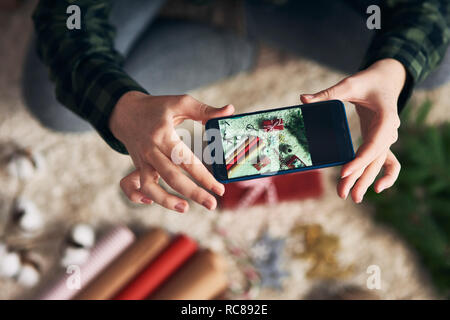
[[282, 140], [264, 142]]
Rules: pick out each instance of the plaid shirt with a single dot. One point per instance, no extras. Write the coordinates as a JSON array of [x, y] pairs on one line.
[[89, 78]]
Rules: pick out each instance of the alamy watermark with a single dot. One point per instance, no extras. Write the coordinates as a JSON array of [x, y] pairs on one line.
[[74, 20], [73, 281], [374, 280], [374, 20]]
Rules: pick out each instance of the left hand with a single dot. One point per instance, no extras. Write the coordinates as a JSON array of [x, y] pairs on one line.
[[146, 125], [375, 92]]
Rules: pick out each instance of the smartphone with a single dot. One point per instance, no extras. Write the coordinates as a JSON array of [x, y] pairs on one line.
[[279, 141]]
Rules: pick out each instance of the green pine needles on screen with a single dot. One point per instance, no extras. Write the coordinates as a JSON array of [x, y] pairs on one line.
[[418, 206]]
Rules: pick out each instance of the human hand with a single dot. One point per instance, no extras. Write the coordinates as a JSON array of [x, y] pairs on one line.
[[375, 92], [146, 124]]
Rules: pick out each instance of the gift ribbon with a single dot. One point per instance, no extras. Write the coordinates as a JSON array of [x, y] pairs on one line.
[[255, 190], [270, 127]]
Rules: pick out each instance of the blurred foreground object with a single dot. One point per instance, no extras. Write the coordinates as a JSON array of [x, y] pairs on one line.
[[122, 270], [29, 275], [271, 190], [202, 277], [79, 244], [83, 235], [418, 205], [110, 246], [321, 249], [27, 216], [158, 271], [266, 255], [21, 266], [20, 163], [10, 264]]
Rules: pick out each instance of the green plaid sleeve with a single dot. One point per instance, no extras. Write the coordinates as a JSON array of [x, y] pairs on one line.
[[414, 32], [84, 65]]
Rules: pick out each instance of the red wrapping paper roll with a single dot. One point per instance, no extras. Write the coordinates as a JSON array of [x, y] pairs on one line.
[[173, 257]]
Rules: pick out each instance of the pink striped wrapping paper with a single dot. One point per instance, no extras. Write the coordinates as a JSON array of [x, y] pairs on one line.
[[102, 254]]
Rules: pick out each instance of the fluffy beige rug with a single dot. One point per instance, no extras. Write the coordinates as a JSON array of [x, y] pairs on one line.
[[80, 182]]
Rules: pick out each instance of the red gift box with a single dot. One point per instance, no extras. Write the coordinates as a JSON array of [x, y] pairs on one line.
[[291, 163], [270, 125], [274, 189], [262, 163]]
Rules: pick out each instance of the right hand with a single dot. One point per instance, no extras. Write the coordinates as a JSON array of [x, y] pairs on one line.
[[375, 92], [146, 124]]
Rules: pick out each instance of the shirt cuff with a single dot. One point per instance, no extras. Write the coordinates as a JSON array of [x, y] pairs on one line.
[[103, 86], [404, 53]]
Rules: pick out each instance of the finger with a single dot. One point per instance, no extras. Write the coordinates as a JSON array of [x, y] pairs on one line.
[[341, 91], [367, 178], [130, 185], [391, 171], [206, 112], [182, 155], [199, 172], [199, 111], [344, 186], [173, 176], [135, 160], [151, 188], [380, 137]]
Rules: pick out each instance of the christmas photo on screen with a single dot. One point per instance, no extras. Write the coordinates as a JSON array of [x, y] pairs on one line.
[[264, 143]]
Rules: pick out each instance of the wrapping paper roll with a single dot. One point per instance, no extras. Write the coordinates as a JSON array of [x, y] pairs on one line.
[[243, 153], [230, 156], [126, 267], [250, 151], [172, 258], [202, 277], [102, 254]]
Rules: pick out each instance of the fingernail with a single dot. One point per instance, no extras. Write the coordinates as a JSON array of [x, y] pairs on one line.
[[208, 204], [146, 200], [380, 190], [180, 207], [219, 190], [308, 96]]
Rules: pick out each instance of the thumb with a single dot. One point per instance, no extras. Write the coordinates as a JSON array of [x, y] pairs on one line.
[[205, 112], [340, 91]]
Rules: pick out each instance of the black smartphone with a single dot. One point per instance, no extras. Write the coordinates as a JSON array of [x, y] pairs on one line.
[[279, 141]]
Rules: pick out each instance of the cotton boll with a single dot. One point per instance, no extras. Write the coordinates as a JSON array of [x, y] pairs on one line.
[[3, 250], [11, 169], [10, 265], [74, 256], [38, 161], [29, 275], [31, 221], [83, 235], [24, 164], [21, 166], [27, 215]]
